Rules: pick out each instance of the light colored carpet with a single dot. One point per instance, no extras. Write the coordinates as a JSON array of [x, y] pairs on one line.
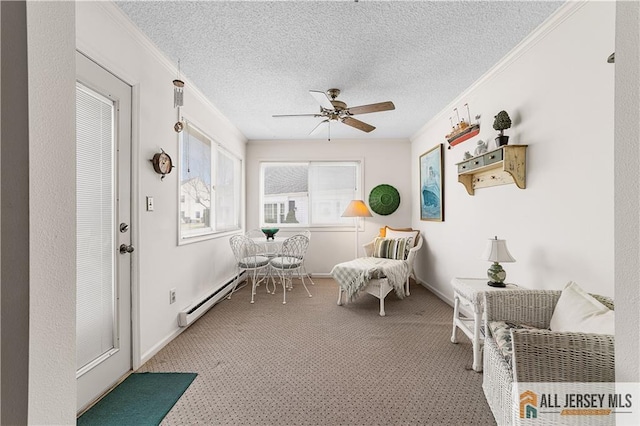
[[311, 362]]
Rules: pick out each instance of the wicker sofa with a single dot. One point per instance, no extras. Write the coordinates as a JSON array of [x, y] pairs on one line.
[[539, 355]]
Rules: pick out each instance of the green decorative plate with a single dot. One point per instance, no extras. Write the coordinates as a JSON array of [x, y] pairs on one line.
[[384, 199]]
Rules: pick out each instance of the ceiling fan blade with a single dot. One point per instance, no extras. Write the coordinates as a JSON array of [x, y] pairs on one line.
[[360, 125], [322, 99], [298, 115], [318, 127], [364, 109]]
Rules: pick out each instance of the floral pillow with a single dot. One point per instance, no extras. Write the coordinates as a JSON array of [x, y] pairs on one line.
[[501, 332], [392, 248]]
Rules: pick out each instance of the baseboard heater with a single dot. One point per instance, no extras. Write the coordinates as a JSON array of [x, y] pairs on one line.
[[197, 309]]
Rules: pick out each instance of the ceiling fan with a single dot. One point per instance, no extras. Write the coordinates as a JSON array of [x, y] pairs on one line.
[[332, 109]]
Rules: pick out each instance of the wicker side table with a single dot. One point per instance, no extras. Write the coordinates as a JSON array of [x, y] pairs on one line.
[[470, 292]]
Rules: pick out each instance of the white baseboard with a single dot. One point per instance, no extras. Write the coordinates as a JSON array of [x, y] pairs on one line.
[[167, 339], [448, 300], [158, 346], [321, 275], [435, 291]]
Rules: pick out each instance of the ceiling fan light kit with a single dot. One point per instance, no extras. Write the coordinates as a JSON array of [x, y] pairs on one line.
[[332, 109]]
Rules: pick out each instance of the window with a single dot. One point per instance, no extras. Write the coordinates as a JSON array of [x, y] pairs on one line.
[[274, 213], [308, 193], [210, 180]]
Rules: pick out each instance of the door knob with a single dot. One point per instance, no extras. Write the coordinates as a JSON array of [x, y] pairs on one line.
[[124, 249]]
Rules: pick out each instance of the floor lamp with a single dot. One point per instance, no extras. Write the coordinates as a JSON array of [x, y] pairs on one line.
[[356, 209]]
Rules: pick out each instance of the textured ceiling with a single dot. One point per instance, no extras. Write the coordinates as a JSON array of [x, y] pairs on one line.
[[256, 59]]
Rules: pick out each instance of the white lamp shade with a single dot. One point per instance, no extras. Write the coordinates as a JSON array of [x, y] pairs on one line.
[[496, 251], [356, 208]]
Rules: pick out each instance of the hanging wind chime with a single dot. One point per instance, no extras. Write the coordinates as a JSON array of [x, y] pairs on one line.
[[161, 161], [178, 100]]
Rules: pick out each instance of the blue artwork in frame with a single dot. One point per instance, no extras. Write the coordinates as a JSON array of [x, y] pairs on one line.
[[431, 185]]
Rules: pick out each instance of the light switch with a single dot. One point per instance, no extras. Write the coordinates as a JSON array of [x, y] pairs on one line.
[[149, 204]]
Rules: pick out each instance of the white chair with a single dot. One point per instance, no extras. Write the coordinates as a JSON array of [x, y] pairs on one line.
[[290, 259], [411, 257], [538, 354], [248, 258], [303, 271], [381, 285]]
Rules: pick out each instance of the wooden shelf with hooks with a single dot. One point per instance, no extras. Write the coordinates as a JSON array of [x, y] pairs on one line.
[[501, 166]]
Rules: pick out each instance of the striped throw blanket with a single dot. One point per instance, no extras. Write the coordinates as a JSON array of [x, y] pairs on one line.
[[352, 276]]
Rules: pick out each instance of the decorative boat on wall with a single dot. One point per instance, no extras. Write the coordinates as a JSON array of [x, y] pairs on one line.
[[463, 130]]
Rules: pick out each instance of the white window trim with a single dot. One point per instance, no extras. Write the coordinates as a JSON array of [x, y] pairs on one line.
[[215, 146], [317, 228]]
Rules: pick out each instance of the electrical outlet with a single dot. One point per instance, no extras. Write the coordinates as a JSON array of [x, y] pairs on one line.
[[172, 296]]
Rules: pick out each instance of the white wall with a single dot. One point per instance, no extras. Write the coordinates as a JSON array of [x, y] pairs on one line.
[[107, 36], [14, 204], [52, 222], [627, 191], [558, 89], [385, 161]]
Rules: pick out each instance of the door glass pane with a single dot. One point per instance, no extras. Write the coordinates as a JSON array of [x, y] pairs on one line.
[[95, 227]]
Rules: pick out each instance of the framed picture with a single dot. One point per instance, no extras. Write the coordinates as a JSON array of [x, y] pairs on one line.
[[431, 185]]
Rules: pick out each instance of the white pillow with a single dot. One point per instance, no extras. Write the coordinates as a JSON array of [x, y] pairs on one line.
[[392, 233], [578, 311]]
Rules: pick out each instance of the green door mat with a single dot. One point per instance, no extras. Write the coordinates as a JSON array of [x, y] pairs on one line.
[[141, 399]]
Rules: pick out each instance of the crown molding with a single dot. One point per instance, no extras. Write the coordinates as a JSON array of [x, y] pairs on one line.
[[127, 25], [552, 22]]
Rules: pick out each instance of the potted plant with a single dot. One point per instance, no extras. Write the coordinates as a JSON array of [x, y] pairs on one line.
[[502, 122]]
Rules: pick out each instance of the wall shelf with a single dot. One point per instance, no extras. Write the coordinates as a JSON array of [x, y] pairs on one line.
[[501, 166]]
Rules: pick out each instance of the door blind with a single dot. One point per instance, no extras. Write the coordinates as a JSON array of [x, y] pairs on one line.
[[95, 228]]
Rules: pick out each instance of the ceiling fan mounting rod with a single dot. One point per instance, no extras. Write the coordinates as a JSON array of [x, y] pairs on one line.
[[333, 93]]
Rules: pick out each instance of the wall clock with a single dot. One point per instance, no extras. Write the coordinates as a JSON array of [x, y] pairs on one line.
[[384, 199], [162, 163]]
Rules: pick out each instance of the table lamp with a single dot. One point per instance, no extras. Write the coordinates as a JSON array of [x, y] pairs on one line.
[[356, 209], [496, 252]]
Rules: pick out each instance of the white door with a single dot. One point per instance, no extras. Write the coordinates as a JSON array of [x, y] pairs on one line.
[[103, 209]]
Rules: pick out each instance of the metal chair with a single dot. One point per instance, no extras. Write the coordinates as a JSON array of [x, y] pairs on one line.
[[303, 271], [290, 259], [248, 258]]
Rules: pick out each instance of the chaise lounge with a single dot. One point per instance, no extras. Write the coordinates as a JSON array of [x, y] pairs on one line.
[[383, 269]]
